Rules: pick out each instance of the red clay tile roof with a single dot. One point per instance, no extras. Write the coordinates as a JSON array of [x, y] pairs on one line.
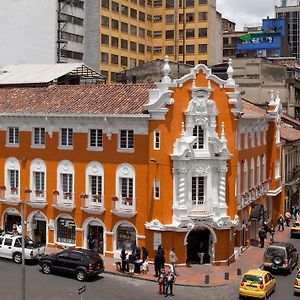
[[288, 118], [289, 133], [251, 110], [75, 99]]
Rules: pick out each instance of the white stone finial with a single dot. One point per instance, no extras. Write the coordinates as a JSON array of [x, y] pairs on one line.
[[166, 70], [272, 97], [193, 83], [277, 95], [223, 137], [230, 80], [182, 129]]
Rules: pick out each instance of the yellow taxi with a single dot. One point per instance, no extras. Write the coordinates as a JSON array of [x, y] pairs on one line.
[[295, 230], [297, 283], [257, 283]]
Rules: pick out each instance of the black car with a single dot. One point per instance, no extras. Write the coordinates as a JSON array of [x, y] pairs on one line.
[[280, 255], [81, 262]]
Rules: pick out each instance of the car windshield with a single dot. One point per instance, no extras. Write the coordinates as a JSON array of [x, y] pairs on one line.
[[272, 251], [253, 278]]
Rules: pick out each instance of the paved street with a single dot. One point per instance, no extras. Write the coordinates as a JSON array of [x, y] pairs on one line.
[[48, 287]]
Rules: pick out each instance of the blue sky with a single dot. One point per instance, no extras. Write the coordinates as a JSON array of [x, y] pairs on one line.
[[246, 11]]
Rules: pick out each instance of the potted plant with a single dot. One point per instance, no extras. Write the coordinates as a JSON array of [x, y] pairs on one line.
[[128, 200], [14, 189], [38, 192], [114, 198], [3, 187], [28, 191], [84, 195], [56, 193]]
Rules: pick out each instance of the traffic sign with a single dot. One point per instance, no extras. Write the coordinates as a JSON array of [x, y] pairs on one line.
[[81, 289]]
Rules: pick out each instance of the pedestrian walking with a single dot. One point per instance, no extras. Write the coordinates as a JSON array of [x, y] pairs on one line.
[[173, 260], [124, 260], [287, 217], [170, 280], [280, 222], [272, 233], [262, 236], [138, 252], [162, 282]]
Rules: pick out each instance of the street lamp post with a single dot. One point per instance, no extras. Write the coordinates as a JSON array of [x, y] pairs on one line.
[[23, 251]]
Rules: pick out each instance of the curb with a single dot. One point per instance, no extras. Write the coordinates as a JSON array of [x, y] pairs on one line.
[[154, 280]]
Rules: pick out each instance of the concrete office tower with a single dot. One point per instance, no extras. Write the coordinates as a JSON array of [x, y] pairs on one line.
[[136, 31], [47, 31], [290, 10]]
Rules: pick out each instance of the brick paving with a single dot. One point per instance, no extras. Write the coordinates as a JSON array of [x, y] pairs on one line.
[[195, 275]]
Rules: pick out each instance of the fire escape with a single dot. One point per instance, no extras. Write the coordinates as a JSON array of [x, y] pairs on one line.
[[62, 22]]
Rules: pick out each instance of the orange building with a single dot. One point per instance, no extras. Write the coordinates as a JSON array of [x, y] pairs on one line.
[[184, 164]]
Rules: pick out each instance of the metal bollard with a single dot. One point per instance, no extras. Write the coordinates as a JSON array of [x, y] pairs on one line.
[[226, 276], [206, 280], [238, 271]]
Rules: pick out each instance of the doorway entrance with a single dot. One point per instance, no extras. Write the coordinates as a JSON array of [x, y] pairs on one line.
[[10, 219], [199, 246], [95, 237], [39, 229]]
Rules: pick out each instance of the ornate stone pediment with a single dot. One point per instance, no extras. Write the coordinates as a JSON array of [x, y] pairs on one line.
[[154, 225], [200, 171]]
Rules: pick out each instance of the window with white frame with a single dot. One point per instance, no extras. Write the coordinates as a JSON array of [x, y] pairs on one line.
[[264, 168], [252, 174], [258, 175], [245, 176], [197, 191], [96, 187], [156, 189], [238, 183], [156, 142], [258, 137], [38, 179], [199, 133], [95, 138], [39, 184], [126, 191], [67, 185], [126, 139], [65, 230], [12, 176], [14, 181], [246, 140], [66, 137], [38, 136], [13, 136], [277, 169]]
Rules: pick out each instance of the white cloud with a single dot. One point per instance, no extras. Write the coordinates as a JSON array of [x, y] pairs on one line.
[[246, 11]]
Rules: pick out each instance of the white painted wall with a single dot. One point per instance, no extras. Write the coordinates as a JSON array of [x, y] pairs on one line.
[[28, 31]]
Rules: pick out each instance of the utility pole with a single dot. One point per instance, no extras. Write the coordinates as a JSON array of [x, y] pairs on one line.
[[23, 251]]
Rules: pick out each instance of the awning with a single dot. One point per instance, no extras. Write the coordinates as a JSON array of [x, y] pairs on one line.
[[257, 212]]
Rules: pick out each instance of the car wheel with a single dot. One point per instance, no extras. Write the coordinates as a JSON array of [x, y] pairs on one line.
[[81, 275], [17, 258], [46, 269], [277, 260]]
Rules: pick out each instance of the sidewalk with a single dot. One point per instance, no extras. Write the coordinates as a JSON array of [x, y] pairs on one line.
[[195, 275]]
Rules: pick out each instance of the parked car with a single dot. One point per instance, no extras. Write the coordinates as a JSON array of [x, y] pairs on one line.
[[257, 283], [297, 283], [280, 255], [295, 230], [81, 262], [11, 247]]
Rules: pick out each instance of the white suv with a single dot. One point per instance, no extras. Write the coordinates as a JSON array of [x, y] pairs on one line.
[[11, 247]]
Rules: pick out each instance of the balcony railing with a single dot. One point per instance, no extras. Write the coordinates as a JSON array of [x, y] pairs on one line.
[[36, 199], [124, 207], [10, 196], [64, 201], [92, 203]]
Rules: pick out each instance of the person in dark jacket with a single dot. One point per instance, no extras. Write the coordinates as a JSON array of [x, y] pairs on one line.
[[280, 221], [161, 250], [145, 254], [124, 260], [138, 252], [157, 263], [262, 236]]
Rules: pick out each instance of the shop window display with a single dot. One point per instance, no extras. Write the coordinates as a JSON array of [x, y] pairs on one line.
[[66, 230], [126, 237]]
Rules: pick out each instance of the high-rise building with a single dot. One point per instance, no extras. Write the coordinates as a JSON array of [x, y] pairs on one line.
[[48, 31], [290, 10], [135, 31]]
